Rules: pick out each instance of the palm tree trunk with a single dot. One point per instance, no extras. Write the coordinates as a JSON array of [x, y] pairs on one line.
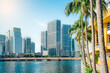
[[87, 40], [93, 37], [83, 51], [101, 38]]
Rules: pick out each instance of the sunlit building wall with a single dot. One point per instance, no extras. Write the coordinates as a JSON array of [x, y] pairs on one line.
[[53, 38], [14, 41], [43, 41]]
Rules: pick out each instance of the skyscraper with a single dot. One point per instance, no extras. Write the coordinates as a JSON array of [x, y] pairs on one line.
[[43, 41], [14, 41], [27, 45], [32, 47], [2, 43], [65, 41], [53, 39]]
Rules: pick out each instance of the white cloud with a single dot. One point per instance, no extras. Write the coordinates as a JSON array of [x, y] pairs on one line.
[[41, 23]]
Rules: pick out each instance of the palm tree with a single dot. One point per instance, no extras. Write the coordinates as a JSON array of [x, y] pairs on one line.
[[86, 6], [75, 7], [101, 38], [76, 28], [93, 37]]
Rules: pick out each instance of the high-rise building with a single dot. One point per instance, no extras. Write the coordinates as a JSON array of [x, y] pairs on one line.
[[53, 38], [14, 41], [0, 49], [27, 45], [65, 41], [77, 48], [32, 47], [73, 47], [43, 41], [2, 43]]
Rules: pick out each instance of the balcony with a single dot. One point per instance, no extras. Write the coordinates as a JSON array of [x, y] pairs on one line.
[[108, 46]]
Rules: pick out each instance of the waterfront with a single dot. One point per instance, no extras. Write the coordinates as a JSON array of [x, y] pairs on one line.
[[40, 67]]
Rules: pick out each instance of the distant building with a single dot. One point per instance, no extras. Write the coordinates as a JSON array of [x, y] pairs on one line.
[[76, 51], [73, 48], [27, 45], [43, 41], [1, 49], [53, 39], [65, 41], [38, 54], [45, 53], [2, 43], [32, 47], [14, 41]]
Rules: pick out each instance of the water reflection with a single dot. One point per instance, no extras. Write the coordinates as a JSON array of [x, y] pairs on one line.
[[40, 67]]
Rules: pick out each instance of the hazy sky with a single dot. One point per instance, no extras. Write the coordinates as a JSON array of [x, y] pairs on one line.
[[32, 16]]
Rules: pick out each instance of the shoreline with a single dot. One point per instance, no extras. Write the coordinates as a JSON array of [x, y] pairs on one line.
[[40, 59]]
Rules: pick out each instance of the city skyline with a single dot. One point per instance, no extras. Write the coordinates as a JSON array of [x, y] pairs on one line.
[[32, 16]]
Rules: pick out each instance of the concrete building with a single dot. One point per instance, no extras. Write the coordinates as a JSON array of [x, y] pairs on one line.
[[2, 43], [14, 41], [53, 39], [43, 41], [45, 53], [65, 40]]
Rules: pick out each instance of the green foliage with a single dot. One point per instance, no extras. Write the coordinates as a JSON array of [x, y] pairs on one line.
[[96, 57], [80, 55], [88, 69]]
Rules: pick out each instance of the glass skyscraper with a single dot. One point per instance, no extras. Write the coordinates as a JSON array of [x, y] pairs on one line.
[[32, 47], [43, 41], [2, 43], [65, 41], [27, 45], [53, 38], [14, 41]]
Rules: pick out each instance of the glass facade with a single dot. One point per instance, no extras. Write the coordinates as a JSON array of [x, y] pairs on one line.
[[0, 49], [43, 41], [65, 41], [27, 45], [54, 35], [14, 41], [32, 47], [2, 42]]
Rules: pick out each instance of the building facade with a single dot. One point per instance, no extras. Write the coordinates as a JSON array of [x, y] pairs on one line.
[[53, 38], [43, 41], [65, 41], [2, 42], [32, 47], [27, 45], [14, 41], [106, 29]]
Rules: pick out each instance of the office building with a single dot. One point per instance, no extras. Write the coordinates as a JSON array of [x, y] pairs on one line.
[[43, 41], [2, 43], [14, 41], [32, 47], [27, 45], [0, 49], [65, 41], [53, 38], [73, 48]]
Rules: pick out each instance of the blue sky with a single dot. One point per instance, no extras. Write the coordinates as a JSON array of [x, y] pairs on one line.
[[32, 16]]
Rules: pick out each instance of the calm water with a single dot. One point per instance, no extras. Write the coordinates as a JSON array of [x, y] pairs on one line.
[[41, 67]]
